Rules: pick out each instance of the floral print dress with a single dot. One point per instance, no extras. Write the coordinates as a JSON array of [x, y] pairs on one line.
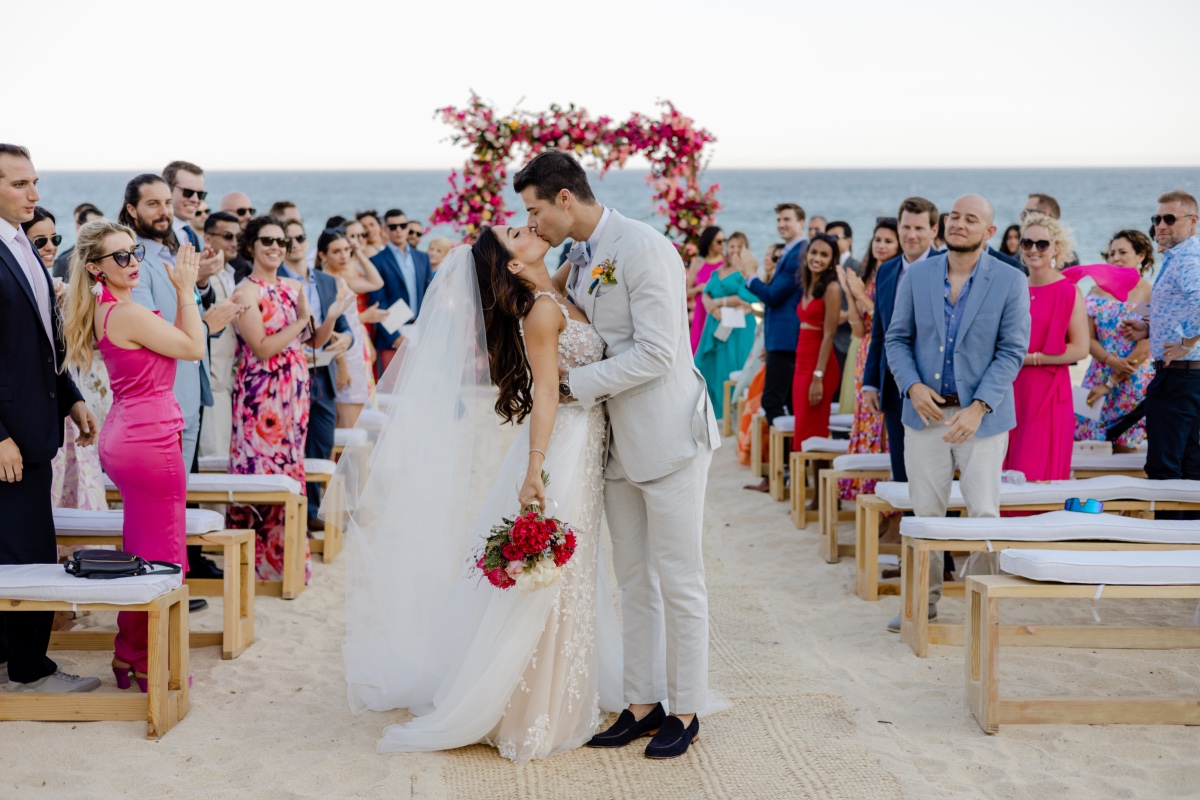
[[1108, 314], [867, 434], [78, 480], [270, 422]]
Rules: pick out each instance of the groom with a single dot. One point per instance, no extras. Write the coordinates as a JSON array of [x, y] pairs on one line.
[[628, 279]]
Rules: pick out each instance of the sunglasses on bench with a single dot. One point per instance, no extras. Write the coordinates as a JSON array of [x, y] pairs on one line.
[[1084, 506]]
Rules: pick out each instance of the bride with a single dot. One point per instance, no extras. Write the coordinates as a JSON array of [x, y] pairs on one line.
[[526, 673]]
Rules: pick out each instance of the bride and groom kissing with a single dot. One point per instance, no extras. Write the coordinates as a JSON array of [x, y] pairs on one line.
[[595, 361]]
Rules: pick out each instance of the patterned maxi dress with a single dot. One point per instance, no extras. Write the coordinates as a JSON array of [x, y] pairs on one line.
[[1108, 314], [867, 434], [270, 421]]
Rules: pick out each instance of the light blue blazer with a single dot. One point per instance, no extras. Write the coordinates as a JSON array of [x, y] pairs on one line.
[[993, 338], [155, 292]]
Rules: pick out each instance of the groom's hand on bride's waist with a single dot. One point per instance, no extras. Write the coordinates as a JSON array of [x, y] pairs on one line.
[[564, 386]]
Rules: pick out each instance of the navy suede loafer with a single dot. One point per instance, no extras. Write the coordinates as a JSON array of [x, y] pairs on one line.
[[626, 729], [672, 739]]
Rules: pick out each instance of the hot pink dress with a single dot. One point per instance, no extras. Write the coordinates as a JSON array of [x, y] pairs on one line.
[[140, 450], [1040, 446], [699, 316]]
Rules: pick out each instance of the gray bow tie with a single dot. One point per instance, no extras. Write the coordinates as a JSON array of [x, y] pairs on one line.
[[580, 255]]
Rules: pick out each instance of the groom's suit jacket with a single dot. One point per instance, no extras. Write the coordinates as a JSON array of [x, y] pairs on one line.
[[657, 400]]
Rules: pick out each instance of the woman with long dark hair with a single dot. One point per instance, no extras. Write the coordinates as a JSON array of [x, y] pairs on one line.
[[817, 376]]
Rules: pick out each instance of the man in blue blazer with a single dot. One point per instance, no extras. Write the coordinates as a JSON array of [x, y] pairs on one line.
[[406, 275], [958, 337], [917, 222], [35, 396]]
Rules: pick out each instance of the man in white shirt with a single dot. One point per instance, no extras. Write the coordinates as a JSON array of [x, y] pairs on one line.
[[186, 182]]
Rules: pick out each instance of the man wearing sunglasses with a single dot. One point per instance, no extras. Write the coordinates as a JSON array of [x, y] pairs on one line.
[[239, 205], [186, 182], [35, 397], [406, 275], [1173, 397]]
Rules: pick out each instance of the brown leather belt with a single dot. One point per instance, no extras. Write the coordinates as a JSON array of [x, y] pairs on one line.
[[1176, 365]]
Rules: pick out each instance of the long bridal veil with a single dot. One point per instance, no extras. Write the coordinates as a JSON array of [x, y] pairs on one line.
[[414, 499]]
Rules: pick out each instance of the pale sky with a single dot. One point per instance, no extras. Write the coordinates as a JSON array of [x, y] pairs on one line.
[[133, 84]]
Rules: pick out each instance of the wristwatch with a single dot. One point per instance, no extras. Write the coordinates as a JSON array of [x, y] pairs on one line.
[[818, 373], [986, 408], [564, 389]]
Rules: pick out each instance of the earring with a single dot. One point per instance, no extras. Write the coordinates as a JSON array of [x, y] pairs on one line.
[[1054, 263], [98, 286]]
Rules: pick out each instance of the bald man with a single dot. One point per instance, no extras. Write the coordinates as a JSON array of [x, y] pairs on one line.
[[239, 205], [955, 368]]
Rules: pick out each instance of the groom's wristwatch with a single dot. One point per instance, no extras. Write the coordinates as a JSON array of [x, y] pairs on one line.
[[564, 389]]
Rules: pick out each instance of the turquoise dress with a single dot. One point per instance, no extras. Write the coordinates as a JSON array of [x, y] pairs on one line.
[[716, 359]]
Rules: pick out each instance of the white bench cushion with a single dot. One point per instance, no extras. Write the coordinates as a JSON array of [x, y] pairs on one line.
[[863, 461], [319, 466], [822, 444], [1055, 526], [213, 463], [1117, 462], [841, 421], [1106, 487], [1129, 567], [370, 418], [348, 437], [243, 483], [51, 582], [785, 424], [78, 522]]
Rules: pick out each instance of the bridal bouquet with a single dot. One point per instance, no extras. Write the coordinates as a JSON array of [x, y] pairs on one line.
[[527, 552]]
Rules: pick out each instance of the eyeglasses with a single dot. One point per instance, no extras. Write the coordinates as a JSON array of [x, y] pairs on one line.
[[190, 193], [886, 221], [122, 257], [1169, 219], [1084, 506], [242, 212], [397, 226], [227, 236], [1041, 244], [416, 234], [41, 241], [299, 239], [271, 241]]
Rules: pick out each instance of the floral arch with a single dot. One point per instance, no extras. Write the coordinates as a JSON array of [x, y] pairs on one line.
[[672, 144]]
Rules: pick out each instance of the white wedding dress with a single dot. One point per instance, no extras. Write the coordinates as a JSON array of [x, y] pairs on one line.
[[527, 674]]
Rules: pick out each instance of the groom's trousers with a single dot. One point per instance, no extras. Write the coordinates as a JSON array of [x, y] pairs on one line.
[[656, 529]]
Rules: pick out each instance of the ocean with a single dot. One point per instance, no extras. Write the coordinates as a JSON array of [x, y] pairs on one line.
[[1095, 202]]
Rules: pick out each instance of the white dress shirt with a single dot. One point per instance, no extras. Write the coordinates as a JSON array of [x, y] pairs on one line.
[[22, 249], [408, 273], [582, 276]]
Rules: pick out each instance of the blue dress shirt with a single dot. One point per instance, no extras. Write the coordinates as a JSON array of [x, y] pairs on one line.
[[953, 312], [408, 272]]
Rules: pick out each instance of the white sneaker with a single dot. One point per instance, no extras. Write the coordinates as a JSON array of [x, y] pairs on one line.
[[58, 682]]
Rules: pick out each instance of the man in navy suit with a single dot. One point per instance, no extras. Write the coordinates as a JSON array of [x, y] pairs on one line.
[[918, 225], [406, 275], [35, 397]]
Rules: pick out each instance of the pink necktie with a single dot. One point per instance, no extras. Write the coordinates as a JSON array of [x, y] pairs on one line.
[[38, 282]]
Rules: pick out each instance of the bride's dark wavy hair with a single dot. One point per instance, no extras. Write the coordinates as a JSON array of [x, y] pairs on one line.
[[506, 300]]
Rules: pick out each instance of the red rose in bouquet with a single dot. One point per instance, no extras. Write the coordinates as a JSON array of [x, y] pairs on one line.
[[528, 552]]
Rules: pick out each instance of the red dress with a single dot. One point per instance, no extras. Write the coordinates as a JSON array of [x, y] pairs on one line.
[[812, 420]]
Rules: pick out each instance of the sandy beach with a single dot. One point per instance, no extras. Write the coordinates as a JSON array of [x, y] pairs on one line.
[[827, 704]]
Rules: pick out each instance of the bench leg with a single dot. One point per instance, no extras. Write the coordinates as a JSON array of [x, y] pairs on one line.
[[982, 656], [333, 531], [238, 631], [294, 547], [866, 555], [914, 599], [827, 515], [796, 498]]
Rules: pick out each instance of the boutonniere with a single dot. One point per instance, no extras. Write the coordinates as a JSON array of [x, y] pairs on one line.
[[603, 273]]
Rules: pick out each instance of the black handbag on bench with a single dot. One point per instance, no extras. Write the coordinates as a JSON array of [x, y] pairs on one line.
[[105, 564]]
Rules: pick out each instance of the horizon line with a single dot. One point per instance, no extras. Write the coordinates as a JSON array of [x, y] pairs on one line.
[[640, 169]]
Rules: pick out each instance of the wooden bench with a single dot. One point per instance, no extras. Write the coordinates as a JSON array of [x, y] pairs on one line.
[[29, 587], [859, 466], [727, 406], [328, 544], [779, 445], [265, 490], [348, 437], [813, 452], [1112, 490], [985, 634], [78, 528], [1057, 531]]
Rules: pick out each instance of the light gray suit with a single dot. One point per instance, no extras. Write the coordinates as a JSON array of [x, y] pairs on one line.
[[156, 292], [661, 438]]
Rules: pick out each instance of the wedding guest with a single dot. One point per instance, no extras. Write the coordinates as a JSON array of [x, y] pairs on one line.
[[1011, 241], [817, 377], [140, 441], [1121, 369], [41, 232], [723, 349], [238, 204], [375, 236], [1173, 397], [781, 325], [955, 367], [327, 299], [415, 231], [711, 250], [939, 238], [867, 432], [840, 230], [202, 214], [221, 233], [186, 182], [1041, 443], [439, 248], [1039, 203], [270, 392], [737, 253], [917, 222], [354, 378], [31, 432], [816, 225], [83, 214], [285, 210], [406, 276]]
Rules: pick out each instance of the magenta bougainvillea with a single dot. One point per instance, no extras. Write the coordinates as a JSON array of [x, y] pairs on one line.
[[673, 145]]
